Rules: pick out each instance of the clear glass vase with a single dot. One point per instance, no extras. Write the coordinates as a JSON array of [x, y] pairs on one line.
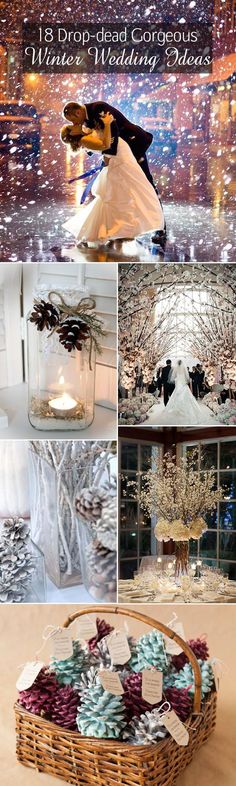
[[61, 383], [98, 566], [53, 521]]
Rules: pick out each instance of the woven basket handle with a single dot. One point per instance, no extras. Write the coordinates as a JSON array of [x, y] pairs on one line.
[[154, 624]]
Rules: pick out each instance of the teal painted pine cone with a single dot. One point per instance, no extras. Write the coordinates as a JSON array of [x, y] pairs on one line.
[[150, 651], [101, 714], [185, 677], [68, 671]]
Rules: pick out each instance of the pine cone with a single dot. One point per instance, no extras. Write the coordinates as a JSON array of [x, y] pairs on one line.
[[185, 678], [102, 569], [15, 530], [150, 651], [106, 526], [44, 315], [134, 703], [88, 679], [68, 671], [72, 333], [64, 708], [200, 649], [181, 702], [16, 568], [89, 503], [145, 730], [39, 698], [101, 714], [103, 629]]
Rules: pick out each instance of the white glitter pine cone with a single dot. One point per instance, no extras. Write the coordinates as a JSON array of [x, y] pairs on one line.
[[89, 503], [106, 526]]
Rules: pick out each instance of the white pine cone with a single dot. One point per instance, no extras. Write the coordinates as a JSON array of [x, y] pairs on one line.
[[89, 503]]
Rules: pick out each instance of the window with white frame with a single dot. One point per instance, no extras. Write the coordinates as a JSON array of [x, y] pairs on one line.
[[136, 533], [217, 547]]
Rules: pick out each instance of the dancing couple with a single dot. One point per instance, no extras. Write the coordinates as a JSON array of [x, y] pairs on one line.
[[126, 204]]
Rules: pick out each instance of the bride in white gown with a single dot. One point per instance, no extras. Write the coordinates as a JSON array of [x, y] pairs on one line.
[[182, 407], [125, 204]]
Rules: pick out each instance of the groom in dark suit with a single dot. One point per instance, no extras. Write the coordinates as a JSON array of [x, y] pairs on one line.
[[136, 137], [167, 385]]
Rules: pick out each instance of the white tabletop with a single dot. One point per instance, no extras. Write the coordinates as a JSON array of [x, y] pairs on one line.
[[13, 401]]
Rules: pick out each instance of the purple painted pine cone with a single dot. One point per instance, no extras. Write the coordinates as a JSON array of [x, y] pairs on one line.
[[103, 629], [181, 702], [64, 708], [39, 697], [132, 697], [200, 649]]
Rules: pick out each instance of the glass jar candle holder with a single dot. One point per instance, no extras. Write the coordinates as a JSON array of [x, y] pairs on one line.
[[61, 361]]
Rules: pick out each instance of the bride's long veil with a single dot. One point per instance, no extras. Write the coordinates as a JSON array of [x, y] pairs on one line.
[[179, 374]]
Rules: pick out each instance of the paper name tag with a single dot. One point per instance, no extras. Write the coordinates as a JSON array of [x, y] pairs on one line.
[[87, 628], [110, 681], [152, 686], [29, 674], [175, 727], [62, 644], [118, 647], [171, 647]]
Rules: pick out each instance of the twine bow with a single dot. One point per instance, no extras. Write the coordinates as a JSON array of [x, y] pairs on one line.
[[81, 309]]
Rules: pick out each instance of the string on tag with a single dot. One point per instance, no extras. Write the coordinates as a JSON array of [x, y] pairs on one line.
[[52, 629], [174, 619]]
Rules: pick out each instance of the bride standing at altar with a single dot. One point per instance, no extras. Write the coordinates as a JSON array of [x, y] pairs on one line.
[[182, 407]]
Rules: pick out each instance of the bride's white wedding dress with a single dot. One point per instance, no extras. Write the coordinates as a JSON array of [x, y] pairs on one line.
[[125, 203], [182, 408]]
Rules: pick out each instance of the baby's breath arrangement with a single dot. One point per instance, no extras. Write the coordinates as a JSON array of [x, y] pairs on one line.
[[179, 495]]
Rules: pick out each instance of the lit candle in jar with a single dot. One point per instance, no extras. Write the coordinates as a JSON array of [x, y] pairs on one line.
[[63, 405]]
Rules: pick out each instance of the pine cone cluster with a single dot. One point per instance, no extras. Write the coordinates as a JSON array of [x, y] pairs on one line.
[[180, 701], [72, 333], [89, 503], [101, 563], [16, 561], [64, 708], [44, 315], [200, 649], [39, 698], [103, 629]]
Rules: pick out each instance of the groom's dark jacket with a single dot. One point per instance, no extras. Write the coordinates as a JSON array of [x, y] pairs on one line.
[[166, 371], [137, 139]]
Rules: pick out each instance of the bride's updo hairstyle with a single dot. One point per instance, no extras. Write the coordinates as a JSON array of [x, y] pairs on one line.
[[68, 139]]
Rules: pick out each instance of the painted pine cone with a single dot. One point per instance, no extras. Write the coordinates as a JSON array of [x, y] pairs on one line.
[[200, 649], [132, 697], [106, 526], [72, 333], [15, 530], [44, 315], [89, 503], [68, 671], [145, 730], [101, 714], [103, 629], [150, 651], [185, 677], [64, 707], [181, 702], [39, 698]]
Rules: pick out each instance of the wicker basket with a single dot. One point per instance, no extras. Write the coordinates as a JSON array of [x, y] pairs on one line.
[[86, 761]]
